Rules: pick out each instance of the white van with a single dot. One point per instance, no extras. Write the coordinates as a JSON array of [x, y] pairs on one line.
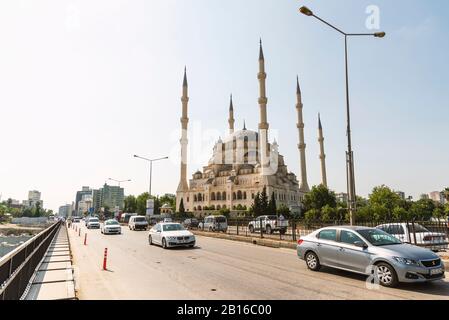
[[214, 223], [138, 223]]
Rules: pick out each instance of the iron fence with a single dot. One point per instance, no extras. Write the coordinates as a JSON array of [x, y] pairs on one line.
[[430, 234], [18, 266]]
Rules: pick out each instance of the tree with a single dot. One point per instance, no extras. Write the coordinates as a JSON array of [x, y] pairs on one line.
[[225, 212], [422, 209], [141, 203], [264, 202], [255, 208], [130, 204], [383, 196], [37, 209], [328, 213], [319, 197], [168, 199], [272, 207], [446, 194], [182, 210]]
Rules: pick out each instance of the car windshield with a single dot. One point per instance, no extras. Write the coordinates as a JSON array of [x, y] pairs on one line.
[[272, 217], [140, 219], [220, 219], [111, 222], [378, 237], [172, 227], [417, 227], [93, 220]]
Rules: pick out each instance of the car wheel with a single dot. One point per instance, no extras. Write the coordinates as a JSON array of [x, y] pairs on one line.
[[283, 231], [385, 275], [164, 243], [210, 229], [150, 241], [312, 261], [251, 229], [129, 227], [268, 229]]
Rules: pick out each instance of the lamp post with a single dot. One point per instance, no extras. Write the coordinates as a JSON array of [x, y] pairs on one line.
[[119, 181], [151, 166], [352, 198]]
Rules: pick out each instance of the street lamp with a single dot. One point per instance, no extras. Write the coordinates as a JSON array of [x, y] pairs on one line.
[[119, 181], [352, 198], [151, 166]]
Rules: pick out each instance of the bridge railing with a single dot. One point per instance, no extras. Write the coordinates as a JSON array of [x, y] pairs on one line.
[[18, 266]]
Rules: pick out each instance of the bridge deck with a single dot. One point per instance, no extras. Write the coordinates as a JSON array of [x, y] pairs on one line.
[[54, 278]]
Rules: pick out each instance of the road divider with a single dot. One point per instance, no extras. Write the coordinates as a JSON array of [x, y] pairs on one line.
[[254, 240]]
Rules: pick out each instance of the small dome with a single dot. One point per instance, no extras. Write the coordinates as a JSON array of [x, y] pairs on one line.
[[166, 206]]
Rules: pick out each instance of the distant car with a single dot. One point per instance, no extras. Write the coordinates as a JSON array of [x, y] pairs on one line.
[[191, 223], [76, 219], [137, 223], [269, 224], [170, 235], [93, 223], [435, 241], [111, 226], [369, 251], [214, 223]]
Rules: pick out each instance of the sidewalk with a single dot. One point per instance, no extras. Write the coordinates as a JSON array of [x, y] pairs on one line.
[[54, 278]]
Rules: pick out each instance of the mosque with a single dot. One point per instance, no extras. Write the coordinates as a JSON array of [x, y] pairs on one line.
[[245, 162]]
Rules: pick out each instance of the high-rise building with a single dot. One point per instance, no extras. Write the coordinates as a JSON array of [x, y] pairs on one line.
[[437, 196], [65, 211], [401, 194], [34, 197], [79, 196]]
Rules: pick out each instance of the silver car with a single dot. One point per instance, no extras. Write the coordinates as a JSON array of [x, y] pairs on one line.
[[369, 251]]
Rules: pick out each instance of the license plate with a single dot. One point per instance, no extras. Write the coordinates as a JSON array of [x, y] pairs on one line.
[[436, 271]]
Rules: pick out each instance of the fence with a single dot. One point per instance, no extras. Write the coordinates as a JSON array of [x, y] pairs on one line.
[[18, 266], [430, 234]]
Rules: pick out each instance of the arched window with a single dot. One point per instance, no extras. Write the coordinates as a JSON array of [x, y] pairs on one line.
[[212, 196], [218, 207], [195, 199], [212, 207], [224, 206], [234, 196], [223, 195], [239, 195], [200, 198], [194, 208], [244, 195], [218, 196]]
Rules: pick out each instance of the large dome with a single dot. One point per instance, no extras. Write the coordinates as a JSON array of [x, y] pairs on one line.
[[241, 134]]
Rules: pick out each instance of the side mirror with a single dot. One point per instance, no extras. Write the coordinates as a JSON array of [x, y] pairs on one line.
[[361, 244]]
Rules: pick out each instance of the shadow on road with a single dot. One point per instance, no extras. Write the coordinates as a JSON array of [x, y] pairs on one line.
[[438, 288]]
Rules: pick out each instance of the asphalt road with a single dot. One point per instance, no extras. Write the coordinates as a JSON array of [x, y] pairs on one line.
[[215, 269]]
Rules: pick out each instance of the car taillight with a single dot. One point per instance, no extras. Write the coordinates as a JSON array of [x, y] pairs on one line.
[[300, 242]]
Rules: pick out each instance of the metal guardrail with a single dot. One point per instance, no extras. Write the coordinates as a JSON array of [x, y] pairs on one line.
[[18, 266]]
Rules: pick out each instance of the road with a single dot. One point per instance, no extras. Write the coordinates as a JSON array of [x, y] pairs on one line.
[[216, 269]]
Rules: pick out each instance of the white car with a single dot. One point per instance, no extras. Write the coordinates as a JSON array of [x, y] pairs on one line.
[[111, 226], [93, 223], [138, 223], [407, 233], [171, 235]]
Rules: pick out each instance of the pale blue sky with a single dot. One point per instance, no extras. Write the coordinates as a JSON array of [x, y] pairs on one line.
[[84, 85]]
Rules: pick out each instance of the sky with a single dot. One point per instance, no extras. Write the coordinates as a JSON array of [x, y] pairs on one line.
[[84, 85]]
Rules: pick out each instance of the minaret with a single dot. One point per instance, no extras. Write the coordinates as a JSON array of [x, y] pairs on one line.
[[231, 117], [183, 186], [304, 186], [322, 155], [263, 124]]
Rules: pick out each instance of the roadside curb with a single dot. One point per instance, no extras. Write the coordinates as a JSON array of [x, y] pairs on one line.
[[256, 241]]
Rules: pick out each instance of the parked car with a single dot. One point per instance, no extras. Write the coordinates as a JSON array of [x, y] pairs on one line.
[[214, 223], [269, 223], [191, 223], [93, 223], [369, 251], [170, 235], [435, 241], [111, 226], [137, 223]]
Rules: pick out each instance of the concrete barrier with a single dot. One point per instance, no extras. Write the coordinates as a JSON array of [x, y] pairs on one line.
[[254, 240]]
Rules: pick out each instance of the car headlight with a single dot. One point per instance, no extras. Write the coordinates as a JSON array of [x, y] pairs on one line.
[[409, 262]]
